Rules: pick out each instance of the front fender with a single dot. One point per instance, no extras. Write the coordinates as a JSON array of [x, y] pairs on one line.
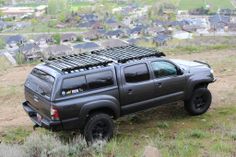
[[194, 81]]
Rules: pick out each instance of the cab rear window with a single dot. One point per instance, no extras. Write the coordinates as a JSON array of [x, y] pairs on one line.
[[42, 84]]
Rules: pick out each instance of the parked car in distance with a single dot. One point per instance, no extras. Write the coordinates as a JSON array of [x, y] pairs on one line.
[[88, 91]]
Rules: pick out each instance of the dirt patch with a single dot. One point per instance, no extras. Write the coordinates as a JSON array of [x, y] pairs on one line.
[[224, 65], [11, 97]]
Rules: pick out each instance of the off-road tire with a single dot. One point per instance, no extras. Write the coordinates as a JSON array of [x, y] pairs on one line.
[[199, 102], [99, 126]]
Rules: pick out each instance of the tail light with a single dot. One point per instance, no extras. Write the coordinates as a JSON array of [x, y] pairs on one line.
[[54, 113]]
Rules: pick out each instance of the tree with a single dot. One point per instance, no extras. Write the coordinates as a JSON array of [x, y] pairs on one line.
[[2, 44], [62, 17], [58, 6], [2, 2], [34, 21], [52, 23], [56, 38], [1, 13], [79, 38]]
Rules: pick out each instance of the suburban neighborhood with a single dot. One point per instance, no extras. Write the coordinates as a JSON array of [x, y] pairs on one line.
[[94, 28]]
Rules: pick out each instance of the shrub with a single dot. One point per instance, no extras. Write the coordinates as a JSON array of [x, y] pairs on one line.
[[41, 145], [56, 38], [2, 43], [20, 58], [11, 151]]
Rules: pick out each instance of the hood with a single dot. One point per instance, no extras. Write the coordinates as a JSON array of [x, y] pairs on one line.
[[190, 65]]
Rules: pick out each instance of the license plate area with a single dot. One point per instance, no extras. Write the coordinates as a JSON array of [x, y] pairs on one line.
[[39, 119]]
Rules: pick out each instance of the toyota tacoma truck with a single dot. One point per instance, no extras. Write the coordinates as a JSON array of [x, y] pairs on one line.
[[88, 91]]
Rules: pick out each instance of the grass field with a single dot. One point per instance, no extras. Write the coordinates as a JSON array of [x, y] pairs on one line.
[[214, 4]]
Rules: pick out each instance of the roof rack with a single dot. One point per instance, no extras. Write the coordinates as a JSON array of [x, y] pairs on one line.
[[84, 61], [76, 62], [126, 53]]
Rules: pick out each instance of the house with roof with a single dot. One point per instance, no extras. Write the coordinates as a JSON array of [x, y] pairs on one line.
[[153, 31], [161, 39], [31, 51], [136, 31], [231, 27], [94, 34], [3, 25], [182, 35], [135, 41], [87, 24], [218, 22], [43, 40], [227, 12], [56, 50], [113, 43], [68, 37], [161, 23], [21, 25], [113, 24], [17, 12], [97, 25], [89, 17], [115, 34], [85, 47], [14, 41], [128, 21]]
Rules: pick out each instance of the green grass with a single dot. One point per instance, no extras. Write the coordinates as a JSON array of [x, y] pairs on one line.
[[41, 27], [4, 64], [184, 136], [215, 4], [197, 49], [16, 135]]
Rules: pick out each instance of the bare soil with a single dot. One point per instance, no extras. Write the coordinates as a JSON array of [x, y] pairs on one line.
[[12, 81]]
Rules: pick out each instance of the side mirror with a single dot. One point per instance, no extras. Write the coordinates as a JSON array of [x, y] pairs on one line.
[[179, 71]]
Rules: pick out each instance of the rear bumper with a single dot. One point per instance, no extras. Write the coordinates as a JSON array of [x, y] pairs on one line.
[[44, 122]]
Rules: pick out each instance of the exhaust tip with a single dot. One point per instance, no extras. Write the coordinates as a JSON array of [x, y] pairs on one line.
[[35, 126]]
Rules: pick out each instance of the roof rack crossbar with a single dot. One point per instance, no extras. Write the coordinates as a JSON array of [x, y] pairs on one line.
[[99, 58]]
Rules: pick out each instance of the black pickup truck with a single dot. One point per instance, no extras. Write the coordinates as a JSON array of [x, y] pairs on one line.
[[87, 91]]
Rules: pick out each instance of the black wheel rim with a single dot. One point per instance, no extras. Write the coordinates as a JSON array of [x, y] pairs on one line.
[[100, 130], [199, 102]]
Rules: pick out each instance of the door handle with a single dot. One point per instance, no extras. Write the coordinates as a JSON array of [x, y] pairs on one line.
[[130, 91], [159, 84]]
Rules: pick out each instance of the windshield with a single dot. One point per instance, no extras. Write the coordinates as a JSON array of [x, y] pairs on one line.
[[40, 82]]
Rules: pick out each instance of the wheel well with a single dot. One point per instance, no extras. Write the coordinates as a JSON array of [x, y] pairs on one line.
[[201, 85], [103, 110]]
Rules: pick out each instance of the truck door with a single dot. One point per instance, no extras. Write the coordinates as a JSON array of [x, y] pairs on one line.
[[168, 80], [137, 84]]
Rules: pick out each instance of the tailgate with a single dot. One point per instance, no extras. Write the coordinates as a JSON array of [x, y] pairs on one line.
[[38, 103]]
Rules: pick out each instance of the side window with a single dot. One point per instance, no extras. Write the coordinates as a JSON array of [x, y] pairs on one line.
[[101, 79], [74, 85], [163, 68], [136, 73]]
